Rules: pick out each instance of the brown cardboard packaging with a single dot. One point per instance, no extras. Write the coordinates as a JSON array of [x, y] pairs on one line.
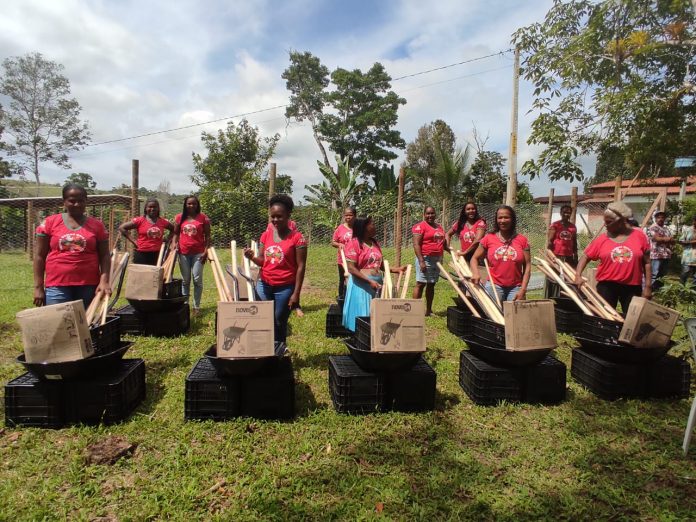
[[144, 282], [397, 325], [529, 325], [648, 324], [245, 329], [55, 333]]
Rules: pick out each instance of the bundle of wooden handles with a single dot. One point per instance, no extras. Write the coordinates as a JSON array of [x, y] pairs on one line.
[[225, 293], [491, 307], [168, 264], [119, 260], [388, 290], [586, 297]]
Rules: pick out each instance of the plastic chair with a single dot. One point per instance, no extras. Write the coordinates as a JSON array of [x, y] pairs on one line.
[[690, 325]]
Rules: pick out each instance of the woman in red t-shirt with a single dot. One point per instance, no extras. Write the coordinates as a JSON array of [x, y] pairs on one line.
[[624, 259], [429, 244], [341, 236], [192, 238], [283, 261], [508, 256], [562, 237], [470, 227], [150, 227], [365, 265], [72, 252]]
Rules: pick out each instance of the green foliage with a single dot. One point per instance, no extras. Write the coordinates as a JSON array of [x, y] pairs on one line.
[[363, 111], [423, 152], [232, 154], [611, 77], [678, 296], [338, 191], [83, 179], [43, 119]]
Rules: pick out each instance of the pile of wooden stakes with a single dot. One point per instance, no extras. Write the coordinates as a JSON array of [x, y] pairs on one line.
[[225, 293], [119, 260], [168, 264], [478, 299], [586, 297], [388, 290]]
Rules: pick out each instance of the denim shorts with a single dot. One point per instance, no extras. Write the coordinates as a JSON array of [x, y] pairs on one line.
[[431, 273]]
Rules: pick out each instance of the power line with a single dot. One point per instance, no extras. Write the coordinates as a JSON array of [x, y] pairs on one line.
[[276, 107]]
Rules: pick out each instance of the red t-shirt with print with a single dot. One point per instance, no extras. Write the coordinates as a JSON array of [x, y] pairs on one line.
[[280, 257], [73, 258], [342, 235], [564, 238], [468, 232], [619, 262], [433, 238], [365, 257], [506, 259], [192, 234], [150, 235]]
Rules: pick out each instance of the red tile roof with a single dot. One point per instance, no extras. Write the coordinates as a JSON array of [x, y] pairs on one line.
[[655, 182]]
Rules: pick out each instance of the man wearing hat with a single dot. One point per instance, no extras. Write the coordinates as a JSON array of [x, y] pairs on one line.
[[661, 242]]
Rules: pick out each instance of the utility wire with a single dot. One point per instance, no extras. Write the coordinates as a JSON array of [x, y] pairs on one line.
[[276, 107]]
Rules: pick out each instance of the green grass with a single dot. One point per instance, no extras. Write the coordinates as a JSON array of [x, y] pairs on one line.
[[583, 459]]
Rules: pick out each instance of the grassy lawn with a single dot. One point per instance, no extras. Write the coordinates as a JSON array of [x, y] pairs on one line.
[[583, 459]]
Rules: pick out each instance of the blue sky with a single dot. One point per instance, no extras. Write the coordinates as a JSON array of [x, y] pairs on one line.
[[139, 67]]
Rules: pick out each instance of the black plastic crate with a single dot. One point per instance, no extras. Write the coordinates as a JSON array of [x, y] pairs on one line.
[[208, 396], [353, 390], [107, 335], [106, 399], [168, 324], [334, 324], [362, 333], [132, 321], [172, 289], [488, 331], [599, 328], [606, 379], [340, 300], [458, 321], [668, 377], [568, 315], [411, 390], [270, 394], [486, 384], [545, 382], [30, 401]]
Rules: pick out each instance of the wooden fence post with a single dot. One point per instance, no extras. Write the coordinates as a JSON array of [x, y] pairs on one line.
[[399, 214], [573, 204], [30, 232], [550, 209]]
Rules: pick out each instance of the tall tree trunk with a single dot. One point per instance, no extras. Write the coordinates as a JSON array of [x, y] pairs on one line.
[[36, 172]]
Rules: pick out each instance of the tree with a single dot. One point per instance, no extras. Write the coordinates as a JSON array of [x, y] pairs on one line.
[[233, 153], [4, 165], [43, 118], [83, 179], [422, 153], [363, 111], [451, 174], [610, 74]]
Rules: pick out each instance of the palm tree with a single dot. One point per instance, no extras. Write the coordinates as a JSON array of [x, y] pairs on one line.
[[338, 190], [451, 176]]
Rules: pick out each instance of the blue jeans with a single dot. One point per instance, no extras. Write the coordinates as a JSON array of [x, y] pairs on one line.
[[280, 295], [659, 270], [65, 294], [506, 293], [688, 273], [191, 264]]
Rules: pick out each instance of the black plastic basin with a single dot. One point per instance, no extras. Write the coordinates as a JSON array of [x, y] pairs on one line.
[[227, 367], [157, 305], [499, 356], [100, 362], [381, 361], [622, 353]]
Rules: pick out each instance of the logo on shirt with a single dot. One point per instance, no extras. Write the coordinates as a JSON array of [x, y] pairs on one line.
[[72, 242], [565, 235], [468, 236], [347, 236], [505, 253], [621, 254], [189, 229], [154, 233], [437, 236], [372, 260], [274, 254]]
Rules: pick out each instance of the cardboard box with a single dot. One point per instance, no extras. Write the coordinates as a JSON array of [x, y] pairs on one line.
[[144, 282], [529, 325], [245, 329], [397, 325], [648, 324], [55, 333]]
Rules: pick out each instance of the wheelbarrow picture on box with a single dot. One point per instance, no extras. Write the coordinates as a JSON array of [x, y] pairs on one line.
[[397, 325]]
